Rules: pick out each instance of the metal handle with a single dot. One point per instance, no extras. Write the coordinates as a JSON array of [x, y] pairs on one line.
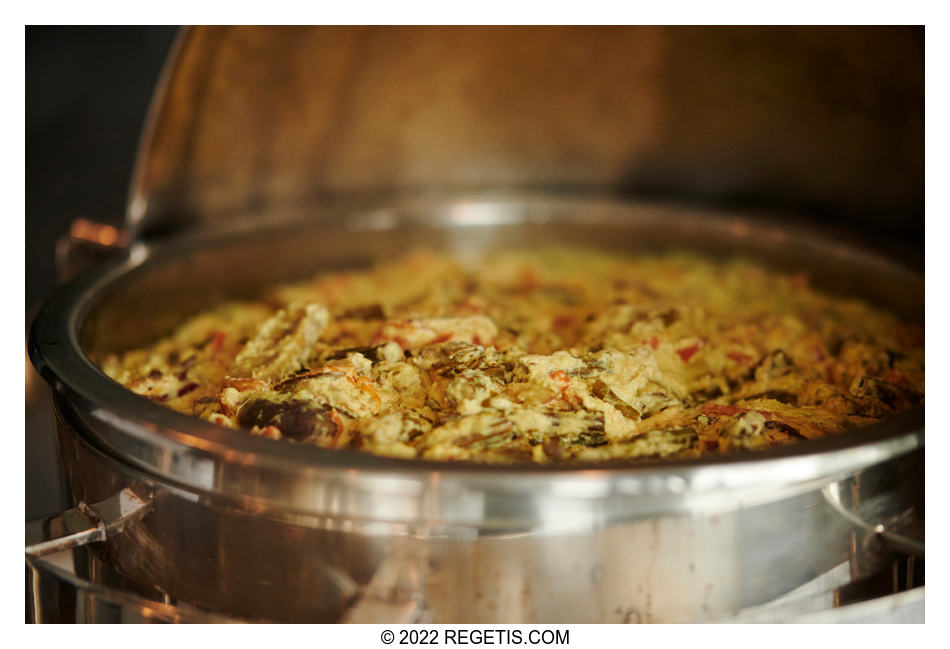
[[84, 523], [87, 243]]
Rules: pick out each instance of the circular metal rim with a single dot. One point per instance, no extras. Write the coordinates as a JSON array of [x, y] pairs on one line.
[[682, 485]]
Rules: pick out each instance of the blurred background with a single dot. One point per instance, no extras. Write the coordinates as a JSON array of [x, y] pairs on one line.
[[87, 91], [826, 123]]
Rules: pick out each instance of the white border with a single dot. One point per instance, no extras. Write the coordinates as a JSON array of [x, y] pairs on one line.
[[501, 12]]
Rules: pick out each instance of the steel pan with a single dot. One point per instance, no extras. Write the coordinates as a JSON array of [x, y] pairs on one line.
[[265, 530]]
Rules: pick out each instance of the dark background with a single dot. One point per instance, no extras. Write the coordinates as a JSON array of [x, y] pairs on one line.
[[87, 92]]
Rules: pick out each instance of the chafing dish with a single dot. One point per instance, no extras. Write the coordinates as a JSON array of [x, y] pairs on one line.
[[244, 527]]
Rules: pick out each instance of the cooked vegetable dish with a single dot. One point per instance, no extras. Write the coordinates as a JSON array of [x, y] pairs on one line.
[[547, 356]]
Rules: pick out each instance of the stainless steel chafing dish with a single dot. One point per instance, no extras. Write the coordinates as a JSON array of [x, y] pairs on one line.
[[220, 523]]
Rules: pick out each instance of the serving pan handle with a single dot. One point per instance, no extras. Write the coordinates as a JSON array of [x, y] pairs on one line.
[[88, 243], [85, 523]]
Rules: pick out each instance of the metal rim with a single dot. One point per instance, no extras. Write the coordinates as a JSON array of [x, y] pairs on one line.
[[201, 456], [126, 602]]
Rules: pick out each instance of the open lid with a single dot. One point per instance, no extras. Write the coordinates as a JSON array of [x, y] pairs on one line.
[[258, 118]]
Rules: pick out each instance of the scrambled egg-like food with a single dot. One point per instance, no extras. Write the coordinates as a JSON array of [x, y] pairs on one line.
[[546, 356]]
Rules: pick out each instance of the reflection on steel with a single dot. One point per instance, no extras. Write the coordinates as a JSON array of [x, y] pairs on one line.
[[887, 542], [255, 118], [59, 594], [87, 243], [97, 233], [84, 524], [394, 594]]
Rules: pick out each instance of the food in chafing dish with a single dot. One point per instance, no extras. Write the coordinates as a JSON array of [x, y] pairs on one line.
[[546, 356]]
